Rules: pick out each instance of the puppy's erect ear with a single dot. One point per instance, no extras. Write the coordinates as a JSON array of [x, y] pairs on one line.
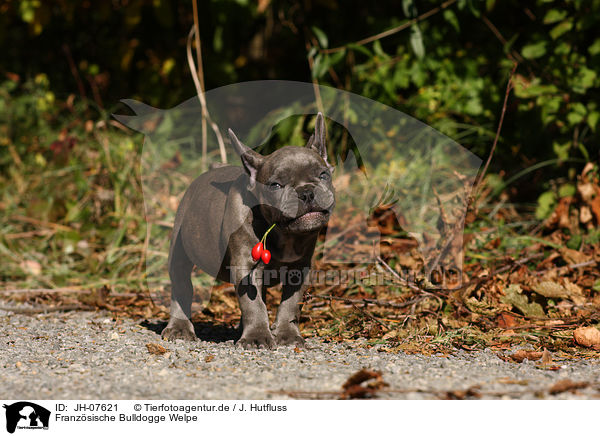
[[317, 140], [251, 160]]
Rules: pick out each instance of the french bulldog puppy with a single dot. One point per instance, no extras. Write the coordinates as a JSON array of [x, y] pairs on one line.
[[226, 211]]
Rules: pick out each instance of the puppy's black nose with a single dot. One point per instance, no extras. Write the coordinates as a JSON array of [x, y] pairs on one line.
[[306, 194]]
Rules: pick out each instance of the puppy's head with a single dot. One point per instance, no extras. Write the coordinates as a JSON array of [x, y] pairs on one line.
[[293, 184]]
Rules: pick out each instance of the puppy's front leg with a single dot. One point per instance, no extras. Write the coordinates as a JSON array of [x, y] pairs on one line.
[[285, 329], [255, 318]]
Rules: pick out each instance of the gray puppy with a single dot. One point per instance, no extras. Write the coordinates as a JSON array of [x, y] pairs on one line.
[[226, 211]]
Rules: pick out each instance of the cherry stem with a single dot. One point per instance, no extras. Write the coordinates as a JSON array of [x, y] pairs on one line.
[[264, 238]]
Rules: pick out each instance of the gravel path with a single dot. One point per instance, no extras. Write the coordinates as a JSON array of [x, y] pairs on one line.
[[88, 355]]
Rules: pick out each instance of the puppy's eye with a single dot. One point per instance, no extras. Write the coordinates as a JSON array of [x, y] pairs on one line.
[[324, 176], [275, 186]]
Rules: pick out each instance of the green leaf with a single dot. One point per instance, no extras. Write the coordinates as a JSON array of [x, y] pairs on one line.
[[450, 17], [546, 203], [561, 29], [586, 78], [336, 57], [594, 49], [379, 50], [321, 37], [577, 114], [574, 242], [513, 296], [320, 66], [534, 51], [554, 15], [561, 150], [473, 9], [566, 190], [409, 8], [592, 120], [416, 41], [361, 48]]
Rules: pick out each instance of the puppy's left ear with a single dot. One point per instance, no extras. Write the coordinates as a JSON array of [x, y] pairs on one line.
[[251, 160], [318, 140]]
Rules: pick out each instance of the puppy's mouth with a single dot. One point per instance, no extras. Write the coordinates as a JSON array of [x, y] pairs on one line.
[[307, 222], [312, 215]]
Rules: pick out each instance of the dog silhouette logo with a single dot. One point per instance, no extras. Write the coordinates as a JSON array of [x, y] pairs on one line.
[[26, 415]]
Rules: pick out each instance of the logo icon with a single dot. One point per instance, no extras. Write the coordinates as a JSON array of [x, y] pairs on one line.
[[26, 415]]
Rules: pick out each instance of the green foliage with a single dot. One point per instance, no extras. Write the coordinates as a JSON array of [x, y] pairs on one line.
[[449, 70], [70, 197]]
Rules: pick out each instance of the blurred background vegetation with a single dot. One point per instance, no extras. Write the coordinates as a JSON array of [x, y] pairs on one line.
[[71, 204]]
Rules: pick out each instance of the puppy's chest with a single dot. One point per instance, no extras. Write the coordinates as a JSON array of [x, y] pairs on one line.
[[287, 252]]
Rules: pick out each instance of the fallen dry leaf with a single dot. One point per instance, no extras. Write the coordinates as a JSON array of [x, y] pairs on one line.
[[462, 394], [566, 385], [595, 205], [573, 256], [506, 320], [353, 387], [157, 349], [209, 358], [361, 376], [520, 355], [546, 357], [587, 337], [551, 290]]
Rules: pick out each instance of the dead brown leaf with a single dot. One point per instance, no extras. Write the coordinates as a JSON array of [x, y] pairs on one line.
[[546, 357], [463, 394], [595, 205], [587, 337], [506, 321], [573, 256], [361, 376], [209, 358], [353, 387], [560, 216], [520, 355], [156, 349], [566, 385]]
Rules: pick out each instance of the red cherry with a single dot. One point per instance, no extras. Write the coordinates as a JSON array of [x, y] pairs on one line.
[[266, 257], [257, 251]]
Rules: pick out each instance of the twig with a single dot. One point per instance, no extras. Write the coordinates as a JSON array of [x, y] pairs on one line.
[[505, 268], [397, 276], [370, 316], [571, 266], [34, 310], [509, 86], [74, 71], [395, 29], [315, 81], [41, 223], [373, 301], [514, 55], [143, 256], [202, 98], [200, 72], [46, 291]]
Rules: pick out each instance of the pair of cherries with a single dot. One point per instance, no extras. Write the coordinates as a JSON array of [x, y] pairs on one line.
[[259, 251]]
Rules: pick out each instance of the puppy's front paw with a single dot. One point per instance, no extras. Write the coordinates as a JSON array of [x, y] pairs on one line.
[[179, 329], [256, 338], [289, 335]]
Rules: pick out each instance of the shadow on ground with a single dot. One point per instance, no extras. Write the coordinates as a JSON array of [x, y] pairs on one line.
[[205, 331]]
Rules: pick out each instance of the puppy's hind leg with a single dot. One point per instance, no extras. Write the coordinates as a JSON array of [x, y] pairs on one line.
[[180, 269]]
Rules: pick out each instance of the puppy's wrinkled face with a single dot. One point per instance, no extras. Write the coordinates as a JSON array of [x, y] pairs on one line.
[[295, 190], [293, 184]]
